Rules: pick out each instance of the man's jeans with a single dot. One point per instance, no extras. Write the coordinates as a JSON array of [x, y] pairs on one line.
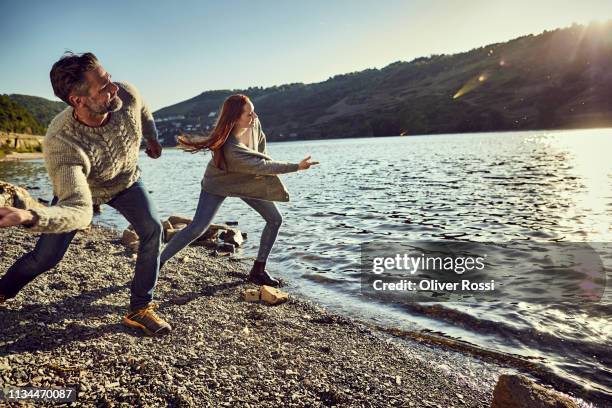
[[136, 206]]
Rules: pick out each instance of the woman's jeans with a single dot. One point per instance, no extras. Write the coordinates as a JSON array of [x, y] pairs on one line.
[[208, 205], [136, 206]]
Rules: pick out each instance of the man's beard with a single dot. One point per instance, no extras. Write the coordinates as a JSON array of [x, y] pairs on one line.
[[112, 106], [115, 104]]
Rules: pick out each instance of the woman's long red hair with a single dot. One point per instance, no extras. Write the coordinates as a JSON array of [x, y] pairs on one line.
[[230, 113]]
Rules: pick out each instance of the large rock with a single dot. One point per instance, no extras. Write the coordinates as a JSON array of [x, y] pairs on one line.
[[517, 391], [225, 247], [211, 235], [213, 231], [169, 233], [251, 295], [267, 294], [167, 225], [14, 196], [179, 219], [272, 296], [130, 239], [232, 236]]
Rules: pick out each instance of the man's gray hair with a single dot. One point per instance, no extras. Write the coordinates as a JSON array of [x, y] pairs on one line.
[[68, 74]]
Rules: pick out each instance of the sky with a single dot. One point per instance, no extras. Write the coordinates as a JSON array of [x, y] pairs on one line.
[[174, 50]]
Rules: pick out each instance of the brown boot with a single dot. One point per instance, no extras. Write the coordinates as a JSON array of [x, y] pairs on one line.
[[147, 320], [260, 276]]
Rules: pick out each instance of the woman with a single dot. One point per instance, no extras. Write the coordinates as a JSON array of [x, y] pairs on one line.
[[240, 167]]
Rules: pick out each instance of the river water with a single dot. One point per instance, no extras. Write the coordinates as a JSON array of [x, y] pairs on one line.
[[494, 188]]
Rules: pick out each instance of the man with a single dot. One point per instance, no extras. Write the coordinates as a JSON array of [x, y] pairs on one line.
[[91, 154]]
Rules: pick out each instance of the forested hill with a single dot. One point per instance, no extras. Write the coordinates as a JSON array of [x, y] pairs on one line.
[[27, 114], [43, 109], [557, 79], [16, 119]]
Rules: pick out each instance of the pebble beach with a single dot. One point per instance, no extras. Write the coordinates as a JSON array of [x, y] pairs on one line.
[[64, 330]]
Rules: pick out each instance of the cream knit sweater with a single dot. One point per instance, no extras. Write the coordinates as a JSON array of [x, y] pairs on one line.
[[91, 165]]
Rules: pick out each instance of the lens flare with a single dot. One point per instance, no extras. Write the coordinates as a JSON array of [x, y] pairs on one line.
[[471, 85]]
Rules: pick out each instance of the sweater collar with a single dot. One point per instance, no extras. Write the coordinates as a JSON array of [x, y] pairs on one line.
[[88, 129]]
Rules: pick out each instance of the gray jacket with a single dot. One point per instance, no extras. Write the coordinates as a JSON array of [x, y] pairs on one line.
[[250, 173]]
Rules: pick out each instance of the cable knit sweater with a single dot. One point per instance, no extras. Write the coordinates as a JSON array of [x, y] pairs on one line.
[[91, 165]]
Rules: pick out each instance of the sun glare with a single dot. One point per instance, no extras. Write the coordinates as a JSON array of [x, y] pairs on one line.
[[471, 85]]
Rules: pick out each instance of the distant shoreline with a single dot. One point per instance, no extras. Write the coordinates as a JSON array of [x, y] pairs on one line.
[[20, 146], [13, 156], [504, 131]]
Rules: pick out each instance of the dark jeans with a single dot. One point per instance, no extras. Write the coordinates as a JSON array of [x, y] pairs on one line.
[[136, 206]]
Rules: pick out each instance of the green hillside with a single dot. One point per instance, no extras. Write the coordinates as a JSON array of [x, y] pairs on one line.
[[15, 118], [27, 114], [557, 79], [43, 109]]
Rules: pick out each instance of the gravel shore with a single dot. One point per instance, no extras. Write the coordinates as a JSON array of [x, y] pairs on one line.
[[64, 330]]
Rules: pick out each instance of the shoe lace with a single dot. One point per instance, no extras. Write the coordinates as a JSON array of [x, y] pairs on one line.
[[147, 313]]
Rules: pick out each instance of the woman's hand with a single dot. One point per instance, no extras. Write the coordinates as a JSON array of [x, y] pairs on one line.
[[306, 163]]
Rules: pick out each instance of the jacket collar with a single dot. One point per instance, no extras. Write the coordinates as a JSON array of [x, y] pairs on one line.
[[254, 138]]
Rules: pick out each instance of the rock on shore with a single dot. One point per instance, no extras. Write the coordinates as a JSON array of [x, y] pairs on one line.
[[15, 196]]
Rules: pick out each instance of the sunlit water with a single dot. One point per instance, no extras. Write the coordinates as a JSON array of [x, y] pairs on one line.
[[494, 188]]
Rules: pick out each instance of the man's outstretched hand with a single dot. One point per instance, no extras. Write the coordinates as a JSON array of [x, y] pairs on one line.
[[154, 149], [11, 216]]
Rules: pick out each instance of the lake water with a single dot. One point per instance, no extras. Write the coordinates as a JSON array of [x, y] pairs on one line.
[[493, 188]]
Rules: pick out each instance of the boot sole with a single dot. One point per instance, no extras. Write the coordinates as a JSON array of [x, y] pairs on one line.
[[260, 282], [131, 323]]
